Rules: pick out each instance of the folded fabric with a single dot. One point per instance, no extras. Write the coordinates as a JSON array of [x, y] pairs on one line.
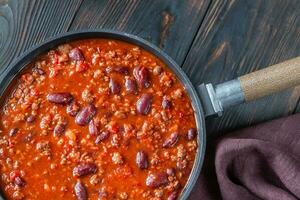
[[260, 162]]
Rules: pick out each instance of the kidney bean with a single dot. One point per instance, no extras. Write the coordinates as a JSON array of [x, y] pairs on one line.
[[170, 171], [115, 87], [191, 134], [76, 54], [84, 169], [80, 191], [157, 180], [93, 129], [171, 141], [85, 115], [118, 69], [30, 118], [19, 181], [122, 70], [141, 160], [102, 136], [166, 104], [142, 76], [143, 105], [173, 196], [13, 132], [73, 109], [131, 86], [59, 129], [60, 97]]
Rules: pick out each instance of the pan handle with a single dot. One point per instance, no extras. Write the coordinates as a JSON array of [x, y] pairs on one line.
[[250, 86]]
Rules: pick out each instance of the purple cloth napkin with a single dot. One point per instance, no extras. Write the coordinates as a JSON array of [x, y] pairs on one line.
[[260, 162]]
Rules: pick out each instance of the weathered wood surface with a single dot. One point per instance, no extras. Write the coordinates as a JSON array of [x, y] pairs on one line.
[[241, 36], [214, 40], [25, 23], [169, 24]]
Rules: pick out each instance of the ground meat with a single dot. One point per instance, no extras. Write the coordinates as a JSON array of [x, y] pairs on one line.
[[71, 135], [120, 114], [87, 95], [115, 141], [44, 148], [177, 94], [45, 122], [17, 195], [65, 48], [181, 157], [165, 80], [117, 158]]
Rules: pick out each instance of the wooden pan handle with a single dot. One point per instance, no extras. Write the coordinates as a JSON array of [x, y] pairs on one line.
[[271, 79]]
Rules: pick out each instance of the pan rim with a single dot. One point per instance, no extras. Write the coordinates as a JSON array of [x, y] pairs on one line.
[[10, 73]]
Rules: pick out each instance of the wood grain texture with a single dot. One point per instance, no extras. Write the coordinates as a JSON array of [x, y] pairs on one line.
[[26, 23], [271, 79], [241, 36], [235, 37], [169, 24]]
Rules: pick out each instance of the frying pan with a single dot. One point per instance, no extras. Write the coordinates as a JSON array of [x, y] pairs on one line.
[[207, 100]]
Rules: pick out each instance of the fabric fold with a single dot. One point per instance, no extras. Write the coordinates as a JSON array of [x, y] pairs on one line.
[[259, 162]]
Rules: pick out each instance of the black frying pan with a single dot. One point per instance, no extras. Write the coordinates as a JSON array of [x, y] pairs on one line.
[[206, 99]]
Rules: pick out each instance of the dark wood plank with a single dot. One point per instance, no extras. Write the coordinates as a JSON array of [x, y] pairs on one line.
[[29, 22], [241, 36], [169, 24]]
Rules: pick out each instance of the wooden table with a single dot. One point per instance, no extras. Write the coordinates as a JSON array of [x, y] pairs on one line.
[[212, 40]]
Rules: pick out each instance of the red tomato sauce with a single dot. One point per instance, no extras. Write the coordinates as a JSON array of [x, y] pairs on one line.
[[96, 119]]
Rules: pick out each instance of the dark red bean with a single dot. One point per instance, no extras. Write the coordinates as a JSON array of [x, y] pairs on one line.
[[115, 88], [80, 191], [84, 169], [173, 196], [157, 180], [13, 132], [171, 171], [59, 129], [102, 136], [73, 109], [30, 118], [93, 128], [60, 97], [191, 134], [171, 141], [166, 103], [143, 105], [76, 54], [122, 70], [131, 86], [141, 160], [142, 76], [85, 115], [118, 69], [19, 181]]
